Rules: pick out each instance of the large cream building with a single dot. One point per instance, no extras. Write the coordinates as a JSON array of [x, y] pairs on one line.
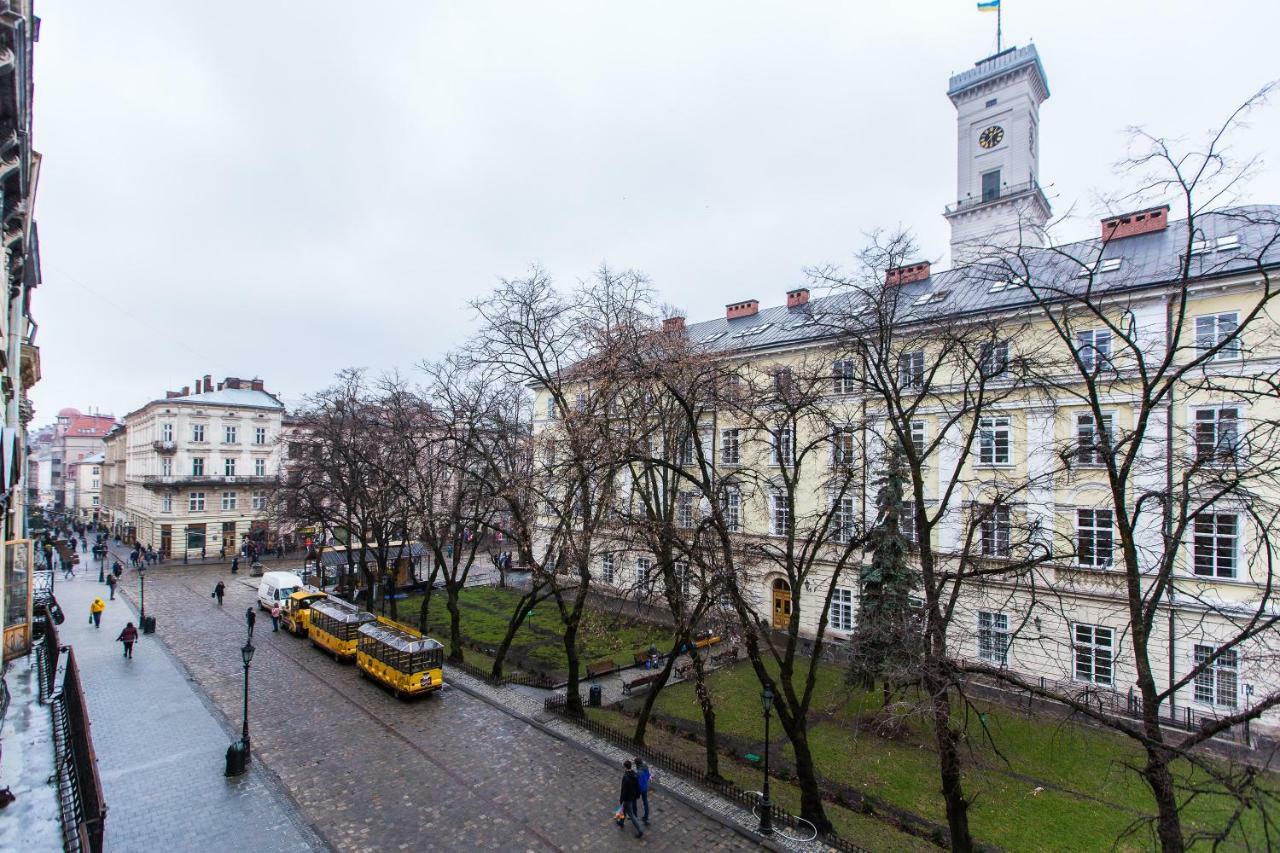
[[1071, 629], [197, 467]]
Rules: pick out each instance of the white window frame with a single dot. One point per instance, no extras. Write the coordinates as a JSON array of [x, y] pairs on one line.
[[166, 503], [730, 446], [259, 435], [197, 432], [907, 522], [259, 500], [991, 432], [844, 446], [685, 502], [228, 466], [195, 502], [911, 369], [166, 466], [840, 612], [919, 436], [1093, 654], [780, 519], [230, 501], [643, 566], [229, 434], [994, 358], [607, 568], [843, 376], [166, 432], [783, 438], [197, 466], [731, 507], [1218, 683], [1216, 545], [995, 531], [993, 637], [1094, 348], [844, 514], [1212, 329], [1089, 450], [259, 467], [1095, 537], [1217, 433]]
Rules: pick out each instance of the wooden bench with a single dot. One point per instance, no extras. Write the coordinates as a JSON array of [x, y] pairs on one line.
[[706, 641], [642, 681], [600, 667]]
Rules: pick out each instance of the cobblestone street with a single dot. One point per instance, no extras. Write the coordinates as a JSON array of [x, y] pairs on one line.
[[447, 772]]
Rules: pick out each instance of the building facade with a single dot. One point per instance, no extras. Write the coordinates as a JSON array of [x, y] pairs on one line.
[[75, 437], [86, 500], [1031, 466], [114, 512], [197, 468]]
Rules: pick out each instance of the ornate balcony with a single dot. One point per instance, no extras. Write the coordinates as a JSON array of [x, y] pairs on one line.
[[1028, 189], [165, 447], [173, 481]]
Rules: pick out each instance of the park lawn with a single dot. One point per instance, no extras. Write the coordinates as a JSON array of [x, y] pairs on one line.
[[486, 613], [864, 830], [1087, 799]]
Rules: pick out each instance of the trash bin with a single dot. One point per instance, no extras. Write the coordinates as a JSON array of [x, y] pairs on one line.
[[237, 758], [594, 696], [149, 625]]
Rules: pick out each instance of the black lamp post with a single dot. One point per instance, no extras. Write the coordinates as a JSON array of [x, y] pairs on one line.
[[238, 752], [142, 593], [766, 807]]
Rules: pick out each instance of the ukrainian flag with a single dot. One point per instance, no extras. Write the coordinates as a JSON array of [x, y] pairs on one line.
[[989, 6]]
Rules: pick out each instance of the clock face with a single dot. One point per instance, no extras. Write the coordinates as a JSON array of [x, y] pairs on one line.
[[991, 137]]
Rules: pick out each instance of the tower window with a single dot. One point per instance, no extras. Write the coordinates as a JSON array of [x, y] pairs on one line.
[[991, 103], [991, 185]]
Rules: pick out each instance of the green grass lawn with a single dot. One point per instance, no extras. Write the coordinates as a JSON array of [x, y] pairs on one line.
[[486, 613], [1086, 797]]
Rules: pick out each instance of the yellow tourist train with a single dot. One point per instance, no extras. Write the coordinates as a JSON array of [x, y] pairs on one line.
[[334, 625], [295, 615], [399, 657]]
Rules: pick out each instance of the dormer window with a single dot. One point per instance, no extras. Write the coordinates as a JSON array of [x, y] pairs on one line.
[[933, 297], [1103, 266]]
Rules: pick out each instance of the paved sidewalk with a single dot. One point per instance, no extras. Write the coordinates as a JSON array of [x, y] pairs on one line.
[[161, 748]]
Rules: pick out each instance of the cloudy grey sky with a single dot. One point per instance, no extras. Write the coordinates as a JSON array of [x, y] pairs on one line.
[[284, 189]]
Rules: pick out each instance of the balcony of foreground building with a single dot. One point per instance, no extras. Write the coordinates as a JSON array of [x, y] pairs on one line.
[[165, 447], [1027, 189], [173, 481]]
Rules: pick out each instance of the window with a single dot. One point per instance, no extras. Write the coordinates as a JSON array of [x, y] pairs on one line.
[[991, 185], [1217, 535], [996, 528], [994, 438], [96, 484], [606, 568], [229, 466], [782, 378], [229, 435], [1094, 650], [228, 500], [917, 436], [1093, 537], [933, 297], [1094, 348], [781, 513], [911, 369], [259, 467], [1216, 684], [197, 466], [680, 569], [95, 500], [166, 432], [1093, 439], [195, 502], [784, 446], [731, 504], [1216, 330], [259, 500], [166, 466], [994, 359], [840, 615], [580, 402], [642, 570], [197, 432], [843, 446], [993, 637], [259, 435], [684, 509], [684, 453], [551, 407], [166, 503], [843, 516], [842, 378], [1217, 434], [730, 446], [907, 522]]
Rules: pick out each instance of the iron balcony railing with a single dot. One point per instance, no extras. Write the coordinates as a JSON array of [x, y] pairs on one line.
[[1006, 192], [152, 481]]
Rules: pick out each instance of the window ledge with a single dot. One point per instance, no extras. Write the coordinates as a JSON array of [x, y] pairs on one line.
[[995, 466]]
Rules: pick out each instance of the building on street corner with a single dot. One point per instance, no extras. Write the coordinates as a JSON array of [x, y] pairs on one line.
[[87, 481], [197, 468]]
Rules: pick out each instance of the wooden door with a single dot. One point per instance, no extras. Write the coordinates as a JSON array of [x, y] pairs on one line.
[[781, 605]]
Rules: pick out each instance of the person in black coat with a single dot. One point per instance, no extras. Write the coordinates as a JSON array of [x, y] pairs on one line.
[[630, 793]]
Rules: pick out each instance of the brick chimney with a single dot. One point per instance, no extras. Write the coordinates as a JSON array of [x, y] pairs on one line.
[[673, 324], [747, 308], [231, 382], [1138, 222], [907, 273], [797, 297], [186, 390], [169, 395], [256, 385], [208, 382]]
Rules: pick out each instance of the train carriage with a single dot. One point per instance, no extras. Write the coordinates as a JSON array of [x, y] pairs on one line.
[[334, 626], [399, 657]]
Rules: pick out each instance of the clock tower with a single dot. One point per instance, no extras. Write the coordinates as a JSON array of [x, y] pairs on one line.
[[998, 202]]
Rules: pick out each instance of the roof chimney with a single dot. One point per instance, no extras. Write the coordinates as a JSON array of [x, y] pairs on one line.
[[208, 382], [169, 395], [186, 390], [256, 385], [1138, 222], [747, 308], [797, 297], [673, 324], [907, 273]]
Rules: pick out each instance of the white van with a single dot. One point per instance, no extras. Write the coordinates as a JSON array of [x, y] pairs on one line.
[[276, 587]]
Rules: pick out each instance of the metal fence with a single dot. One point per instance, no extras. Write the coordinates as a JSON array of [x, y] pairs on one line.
[[84, 809], [47, 652], [747, 799]]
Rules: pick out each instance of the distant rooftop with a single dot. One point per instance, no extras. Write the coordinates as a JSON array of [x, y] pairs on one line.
[[245, 397], [993, 66]]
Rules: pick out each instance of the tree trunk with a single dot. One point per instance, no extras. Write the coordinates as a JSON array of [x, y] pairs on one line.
[[523, 606], [424, 610], [949, 771], [391, 593], [1168, 821], [811, 808], [573, 699], [710, 742], [654, 689], [451, 589]]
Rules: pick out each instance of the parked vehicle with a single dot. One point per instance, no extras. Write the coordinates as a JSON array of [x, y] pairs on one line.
[[334, 625], [399, 657], [295, 613], [276, 587]]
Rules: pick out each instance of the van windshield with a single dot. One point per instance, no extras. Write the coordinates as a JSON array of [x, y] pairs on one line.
[[285, 592]]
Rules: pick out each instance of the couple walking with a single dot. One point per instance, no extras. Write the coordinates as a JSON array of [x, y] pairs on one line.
[[635, 787]]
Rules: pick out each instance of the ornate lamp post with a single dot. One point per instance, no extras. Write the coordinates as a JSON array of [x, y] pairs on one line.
[[238, 752], [142, 596], [766, 807]]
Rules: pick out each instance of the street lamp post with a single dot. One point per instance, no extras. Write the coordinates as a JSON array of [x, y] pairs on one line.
[[238, 752], [142, 593], [766, 807]]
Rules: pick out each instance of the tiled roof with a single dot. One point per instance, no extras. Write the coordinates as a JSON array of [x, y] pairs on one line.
[[1145, 260]]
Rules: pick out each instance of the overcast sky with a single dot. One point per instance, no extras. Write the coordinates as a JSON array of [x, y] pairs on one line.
[[282, 189]]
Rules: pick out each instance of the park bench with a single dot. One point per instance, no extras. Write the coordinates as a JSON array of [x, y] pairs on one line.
[[600, 667], [642, 681]]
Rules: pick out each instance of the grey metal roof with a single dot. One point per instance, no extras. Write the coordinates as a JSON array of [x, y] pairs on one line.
[[413, 550], [993, 66], [244, 397], [1145, 260]]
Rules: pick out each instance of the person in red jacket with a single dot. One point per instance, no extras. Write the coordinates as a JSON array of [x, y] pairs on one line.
[[128, 636]]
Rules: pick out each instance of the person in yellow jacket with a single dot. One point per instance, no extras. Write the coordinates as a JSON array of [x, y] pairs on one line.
[[95, 612]]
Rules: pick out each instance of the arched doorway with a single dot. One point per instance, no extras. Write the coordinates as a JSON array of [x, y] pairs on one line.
[[781, 604]]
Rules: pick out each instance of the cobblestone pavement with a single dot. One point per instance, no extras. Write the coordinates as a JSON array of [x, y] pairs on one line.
[[446, 772], [161, 748]]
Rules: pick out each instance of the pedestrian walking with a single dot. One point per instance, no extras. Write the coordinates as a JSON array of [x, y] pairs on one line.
[[249, 619], [643, 776], [117, 569], [128, 636], [275, 617], [627, 799], [68, 568], [95, 612], [235, 564], [218, 592], [111, 584], [84, 545]]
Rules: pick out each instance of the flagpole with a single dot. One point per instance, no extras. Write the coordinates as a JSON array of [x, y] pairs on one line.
[[999, 15]]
